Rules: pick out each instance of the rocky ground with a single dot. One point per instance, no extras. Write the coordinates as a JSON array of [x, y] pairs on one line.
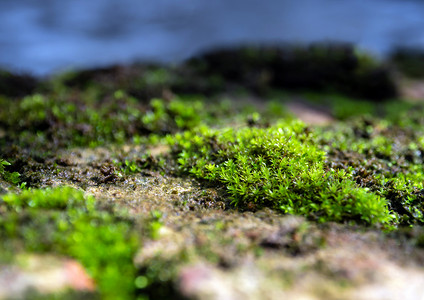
[[157, 231]]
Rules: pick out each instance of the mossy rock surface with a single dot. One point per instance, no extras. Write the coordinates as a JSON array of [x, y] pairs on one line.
[[173, 182]]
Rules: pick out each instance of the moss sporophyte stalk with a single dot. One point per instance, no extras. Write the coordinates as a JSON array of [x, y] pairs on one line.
[[278, 167]]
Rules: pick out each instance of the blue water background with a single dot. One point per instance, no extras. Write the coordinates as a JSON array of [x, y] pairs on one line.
[[45, 36]]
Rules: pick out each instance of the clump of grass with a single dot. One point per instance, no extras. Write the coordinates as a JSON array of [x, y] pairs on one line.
[[66, 221], [278, 167]]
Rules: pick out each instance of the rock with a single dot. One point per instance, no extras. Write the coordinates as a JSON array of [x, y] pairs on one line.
[[43, 274]]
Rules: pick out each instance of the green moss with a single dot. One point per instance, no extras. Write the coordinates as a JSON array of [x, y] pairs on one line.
[[178, 113], [278, 167], [11, 177], [343, 107], [385, 157], [66, 221], [366, 167], [77, 120], [60, 198], [410, 62], [405, 114], [157, 77]]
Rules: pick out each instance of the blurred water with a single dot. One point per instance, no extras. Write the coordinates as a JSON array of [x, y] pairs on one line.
[[52, 35]]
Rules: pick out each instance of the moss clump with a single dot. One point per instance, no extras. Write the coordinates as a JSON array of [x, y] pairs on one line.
[[53, 121], [65, 221], [177, 114], [320, 67], [409, 61], [343, 107], [11, 177], [16, 85], [385, 156], [278, 167]]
